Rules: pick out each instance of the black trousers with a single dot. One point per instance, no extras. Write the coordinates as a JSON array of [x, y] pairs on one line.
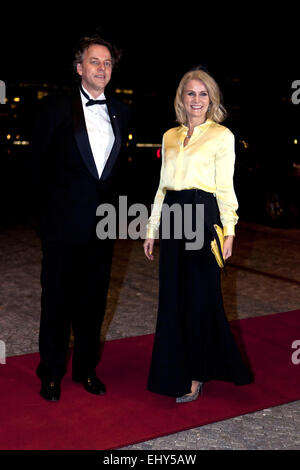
[[74, 280], [193, 339]]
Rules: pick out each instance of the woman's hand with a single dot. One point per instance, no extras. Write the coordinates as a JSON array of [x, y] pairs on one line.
[[227, 247], [148, 248]]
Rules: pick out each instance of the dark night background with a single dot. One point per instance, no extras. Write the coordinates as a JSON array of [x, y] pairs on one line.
[[252, 53]]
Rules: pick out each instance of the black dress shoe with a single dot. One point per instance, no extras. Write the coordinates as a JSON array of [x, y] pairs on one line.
[[50, 390], [92, 384]]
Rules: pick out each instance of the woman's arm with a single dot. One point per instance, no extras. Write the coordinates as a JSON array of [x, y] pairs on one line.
[[225, 194]]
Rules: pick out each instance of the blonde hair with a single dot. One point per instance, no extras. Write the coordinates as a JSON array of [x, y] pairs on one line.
[[216, 110]]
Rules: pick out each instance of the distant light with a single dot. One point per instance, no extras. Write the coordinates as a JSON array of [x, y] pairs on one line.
[[245, 144], [130, 137], [149, 145], [41, 94], [8, 136], [296, 141], [20, 142], [125, 91], [158, 153], [17, 99]]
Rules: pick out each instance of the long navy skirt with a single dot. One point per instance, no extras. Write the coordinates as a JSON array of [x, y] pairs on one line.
[[193, 339]]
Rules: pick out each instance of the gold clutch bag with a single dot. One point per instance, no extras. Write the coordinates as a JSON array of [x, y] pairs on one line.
[[215, 247]]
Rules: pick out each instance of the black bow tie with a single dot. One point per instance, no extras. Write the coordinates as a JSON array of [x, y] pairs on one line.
[[90, 101]]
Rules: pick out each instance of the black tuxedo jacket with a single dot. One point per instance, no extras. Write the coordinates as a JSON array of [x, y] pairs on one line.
[[69, 189]]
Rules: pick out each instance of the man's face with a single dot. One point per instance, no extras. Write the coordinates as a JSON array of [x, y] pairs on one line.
[[95, 69]]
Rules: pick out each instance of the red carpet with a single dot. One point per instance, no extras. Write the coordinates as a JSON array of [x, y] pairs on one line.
[[129, 413]]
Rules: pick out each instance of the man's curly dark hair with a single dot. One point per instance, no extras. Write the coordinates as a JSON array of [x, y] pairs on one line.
[[87, 41]]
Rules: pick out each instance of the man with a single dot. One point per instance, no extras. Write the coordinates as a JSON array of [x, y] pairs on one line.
[[77, 156]]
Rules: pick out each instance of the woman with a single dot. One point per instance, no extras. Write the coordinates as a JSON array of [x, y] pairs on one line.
[[193, 341]]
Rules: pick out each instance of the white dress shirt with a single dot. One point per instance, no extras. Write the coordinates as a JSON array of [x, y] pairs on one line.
[[99, 129]]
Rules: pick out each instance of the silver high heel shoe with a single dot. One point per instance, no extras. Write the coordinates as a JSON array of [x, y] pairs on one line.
[[192, 397]]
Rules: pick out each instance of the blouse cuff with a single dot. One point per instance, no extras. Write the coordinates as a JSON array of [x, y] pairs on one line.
[[229, 230], [152, 232]]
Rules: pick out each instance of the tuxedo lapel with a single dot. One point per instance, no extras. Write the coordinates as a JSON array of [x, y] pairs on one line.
[[81, 136], [115, 122]]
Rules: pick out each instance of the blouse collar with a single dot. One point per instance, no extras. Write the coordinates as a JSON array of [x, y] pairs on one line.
[[199, 128]]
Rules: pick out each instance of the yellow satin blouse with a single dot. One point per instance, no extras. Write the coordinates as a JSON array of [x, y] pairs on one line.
[[206, 162]]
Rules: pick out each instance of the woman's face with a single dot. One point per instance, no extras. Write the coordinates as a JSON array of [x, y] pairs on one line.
[[196, 101]]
